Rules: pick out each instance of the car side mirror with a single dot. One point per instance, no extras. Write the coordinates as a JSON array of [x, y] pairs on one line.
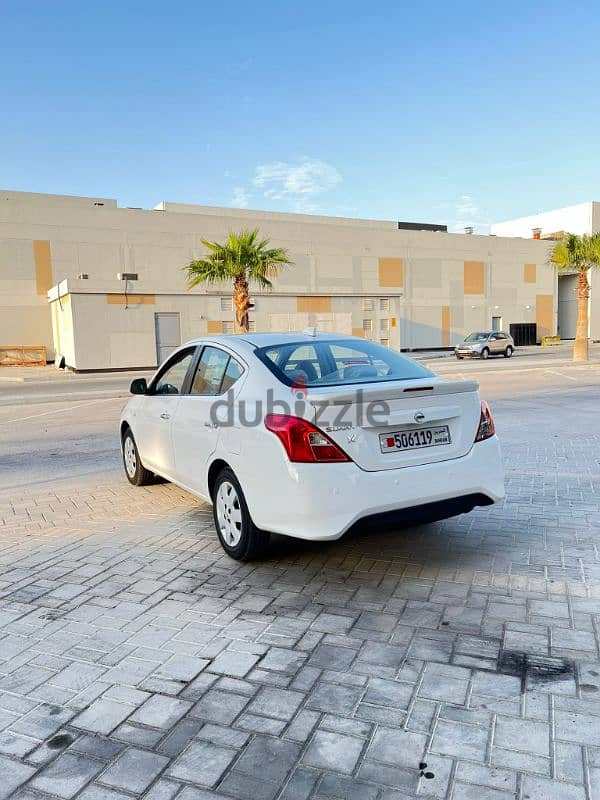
[[138, 386]]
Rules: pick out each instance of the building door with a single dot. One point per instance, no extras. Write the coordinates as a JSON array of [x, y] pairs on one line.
[[168, 335], [496, 323], [567, 306]]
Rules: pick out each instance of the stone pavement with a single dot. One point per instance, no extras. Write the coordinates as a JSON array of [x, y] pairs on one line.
[[458, 660]]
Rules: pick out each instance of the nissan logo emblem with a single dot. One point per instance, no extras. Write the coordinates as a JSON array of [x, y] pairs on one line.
[[419, 416]]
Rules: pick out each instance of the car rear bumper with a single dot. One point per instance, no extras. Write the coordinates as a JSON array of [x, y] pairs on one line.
[[322, 501]]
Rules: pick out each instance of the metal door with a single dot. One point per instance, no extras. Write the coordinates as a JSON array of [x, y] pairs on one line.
[[168, 334]]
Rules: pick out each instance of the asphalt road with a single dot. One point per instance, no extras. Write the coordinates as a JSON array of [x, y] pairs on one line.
[[65, 429]]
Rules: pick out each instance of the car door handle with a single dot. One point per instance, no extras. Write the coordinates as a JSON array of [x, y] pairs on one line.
[[164, 415]]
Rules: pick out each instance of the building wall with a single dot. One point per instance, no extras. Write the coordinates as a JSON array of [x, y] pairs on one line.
[[418, 289], [579, 219]]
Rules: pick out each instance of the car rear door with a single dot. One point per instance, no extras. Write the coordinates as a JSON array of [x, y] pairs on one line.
[[202, 413]]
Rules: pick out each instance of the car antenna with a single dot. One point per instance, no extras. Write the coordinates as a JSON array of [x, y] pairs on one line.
[[310, 331]]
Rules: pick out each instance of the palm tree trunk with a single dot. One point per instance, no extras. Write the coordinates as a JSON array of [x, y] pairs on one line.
[[580, 348], [241, 302]]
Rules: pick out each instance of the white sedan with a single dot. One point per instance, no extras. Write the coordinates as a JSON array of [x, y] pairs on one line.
[[307, 434]]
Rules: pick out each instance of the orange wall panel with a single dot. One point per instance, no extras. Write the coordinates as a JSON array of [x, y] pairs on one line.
[[314, 304], [130, 299], [445, 326], [544, 315], [42, 259], [391, 272], [529, 273], [474, 277]]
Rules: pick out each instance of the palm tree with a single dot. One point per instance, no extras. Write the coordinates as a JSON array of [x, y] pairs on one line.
[[243, 258], [578, 254]]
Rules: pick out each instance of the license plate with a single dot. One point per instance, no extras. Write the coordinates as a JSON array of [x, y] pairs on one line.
[[414, 440]]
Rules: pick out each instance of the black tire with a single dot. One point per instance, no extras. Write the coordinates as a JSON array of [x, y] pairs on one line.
[[460, 358], [508, 352], [136, 472], [485, 353], [228, 503]]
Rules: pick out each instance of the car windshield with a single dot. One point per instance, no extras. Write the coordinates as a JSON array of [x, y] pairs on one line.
[[337, 363], [477, 337]]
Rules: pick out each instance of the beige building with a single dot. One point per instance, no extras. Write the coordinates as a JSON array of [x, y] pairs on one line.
[[62, 261]]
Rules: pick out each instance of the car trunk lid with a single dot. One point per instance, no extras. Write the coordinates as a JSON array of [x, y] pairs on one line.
[[396, 424]]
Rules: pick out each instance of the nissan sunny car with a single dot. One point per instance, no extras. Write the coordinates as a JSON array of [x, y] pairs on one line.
[[309, 434]]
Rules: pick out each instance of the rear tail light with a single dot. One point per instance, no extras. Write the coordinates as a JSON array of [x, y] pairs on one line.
[[486, 424], [302, 441]]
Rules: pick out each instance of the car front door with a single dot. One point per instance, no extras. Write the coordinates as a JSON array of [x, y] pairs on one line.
[[202, 414], [152, 423], [495, 344]]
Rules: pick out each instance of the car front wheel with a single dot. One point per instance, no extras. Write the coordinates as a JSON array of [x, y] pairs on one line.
[[239, 536], [485, 353], [508, 352], [136, 472]]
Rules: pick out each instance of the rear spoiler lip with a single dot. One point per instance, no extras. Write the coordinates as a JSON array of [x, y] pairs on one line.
[[368, 392]]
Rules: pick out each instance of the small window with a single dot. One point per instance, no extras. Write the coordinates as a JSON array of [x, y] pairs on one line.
[[228, 326], [171, 380], [384, 324], [226, 304], [384, 342], [367, 325], [384, 304], [232, 373], [210, 371], [367, 304]]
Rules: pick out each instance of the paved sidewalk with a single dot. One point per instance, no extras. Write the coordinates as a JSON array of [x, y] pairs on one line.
[[457, 660]]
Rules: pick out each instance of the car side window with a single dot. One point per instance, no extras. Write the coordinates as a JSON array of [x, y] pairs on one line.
[[171, 380], [211, 372], [232, 373]]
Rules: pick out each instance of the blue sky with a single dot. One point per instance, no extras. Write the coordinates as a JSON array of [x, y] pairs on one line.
[[463, 113]]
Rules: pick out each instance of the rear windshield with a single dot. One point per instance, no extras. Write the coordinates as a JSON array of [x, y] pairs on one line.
[[338, 363]]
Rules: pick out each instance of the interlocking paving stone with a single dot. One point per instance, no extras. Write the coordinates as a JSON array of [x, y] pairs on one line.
[[279, 703], [103, 716], [202, 763], [134, 770], [161, 712], [333, 751], [12, 775], [66, 775]]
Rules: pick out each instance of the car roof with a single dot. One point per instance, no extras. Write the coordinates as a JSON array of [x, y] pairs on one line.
[[266, 339]]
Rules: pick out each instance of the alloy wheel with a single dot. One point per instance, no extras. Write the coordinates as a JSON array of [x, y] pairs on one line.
[[129, 456], [229, 513]]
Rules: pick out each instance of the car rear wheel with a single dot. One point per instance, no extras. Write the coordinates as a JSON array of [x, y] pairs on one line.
[[136, 472], [485, 353], [460, 358], [508, 352], [239, 536]]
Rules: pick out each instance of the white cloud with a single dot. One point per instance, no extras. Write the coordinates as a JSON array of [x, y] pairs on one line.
[[466, 212], [240, 197], [466, 207], [300, 182]]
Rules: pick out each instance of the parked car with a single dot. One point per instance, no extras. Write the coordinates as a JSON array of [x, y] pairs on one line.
[[484, 344], [308, 434]]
